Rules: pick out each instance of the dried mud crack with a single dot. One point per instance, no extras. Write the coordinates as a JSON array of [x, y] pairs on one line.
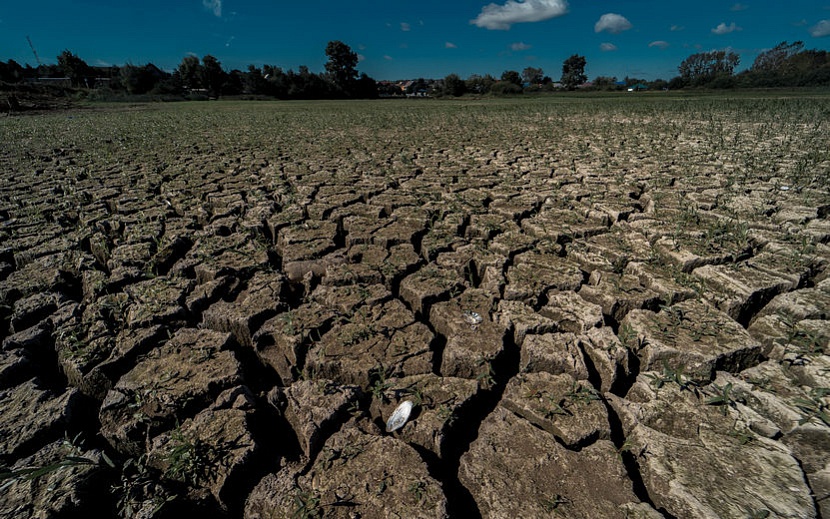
[[597, 309]]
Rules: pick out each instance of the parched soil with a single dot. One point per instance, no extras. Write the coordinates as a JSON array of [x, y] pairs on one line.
[[607, 307]]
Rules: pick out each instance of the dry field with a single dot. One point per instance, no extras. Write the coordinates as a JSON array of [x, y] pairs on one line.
[[600, 307]]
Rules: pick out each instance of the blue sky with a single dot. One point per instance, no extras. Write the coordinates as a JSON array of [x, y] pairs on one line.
[[415, 38]]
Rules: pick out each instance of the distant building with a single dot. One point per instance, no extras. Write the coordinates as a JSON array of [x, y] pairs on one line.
[[56, 81], [90, 82], [407, 88]]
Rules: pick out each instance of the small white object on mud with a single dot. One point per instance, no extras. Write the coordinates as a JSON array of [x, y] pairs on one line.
[[474, 318], [400, 416]]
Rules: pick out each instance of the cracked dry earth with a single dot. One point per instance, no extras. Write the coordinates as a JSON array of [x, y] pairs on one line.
[[216, 307]]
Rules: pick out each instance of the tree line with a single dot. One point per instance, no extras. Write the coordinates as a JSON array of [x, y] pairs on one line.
[[205, 77], [785, 65]]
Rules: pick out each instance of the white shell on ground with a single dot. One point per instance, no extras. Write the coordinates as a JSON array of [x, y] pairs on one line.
[[399, 417], [473, 318]]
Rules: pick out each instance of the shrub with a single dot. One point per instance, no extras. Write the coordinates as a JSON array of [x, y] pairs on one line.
[[501, 88]]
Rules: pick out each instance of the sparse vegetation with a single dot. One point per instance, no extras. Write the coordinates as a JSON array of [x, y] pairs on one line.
[[553, 503], [307, 505], [418, 489], [189, 460], [486, 373], [379, 384], [672, 375], [72, 458], [814, 407], [723, 397]]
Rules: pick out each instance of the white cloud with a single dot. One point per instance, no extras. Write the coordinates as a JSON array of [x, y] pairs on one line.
[[501, 17], [387, 57], [361, 57], [821, 29], [450, 45], [519, 46], [722, 28], [405, 27], [215, 6], [607, 47], [675, 28], [660, 44], [613, 23], [739, 7]]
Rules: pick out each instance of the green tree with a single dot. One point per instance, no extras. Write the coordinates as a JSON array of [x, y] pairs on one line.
[[74, 67], [260, 81], [658, 84], [190, 72], [341, 66], [140, 80], [573, 72], [633, 81], [253, 82], [511, 76], [810, 68], [366, 88], [171, 84], [304, 84], [11, 71], [277, 81], [212, 75], [479, 84], [676, 83], [787, 64], [316, 85], [605, 82], [454, 86], [505, 88], [130, 79], [704, 67], [233, 83], [533, 76], [776, 59]]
